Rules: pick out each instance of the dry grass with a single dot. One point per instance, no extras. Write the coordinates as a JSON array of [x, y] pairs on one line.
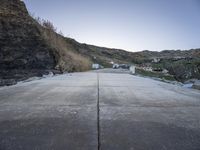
[[67, 59]]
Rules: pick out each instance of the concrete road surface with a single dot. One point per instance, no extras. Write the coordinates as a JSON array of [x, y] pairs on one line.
[[91, 111]]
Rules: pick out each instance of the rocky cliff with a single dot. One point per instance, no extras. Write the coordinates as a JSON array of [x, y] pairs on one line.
[[26, 48], [23, 52]]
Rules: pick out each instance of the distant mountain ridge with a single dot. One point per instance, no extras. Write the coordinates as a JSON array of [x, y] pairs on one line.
[[172, 53], [105, 55]]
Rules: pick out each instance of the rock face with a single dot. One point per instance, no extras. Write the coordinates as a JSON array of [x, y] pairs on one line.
[[27, 48], [23, 52], [21, 46]]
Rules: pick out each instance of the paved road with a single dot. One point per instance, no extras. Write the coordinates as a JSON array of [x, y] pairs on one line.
[[61, 113]]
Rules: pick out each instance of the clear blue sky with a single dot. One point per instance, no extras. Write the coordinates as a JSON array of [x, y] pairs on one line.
[[127, 24]]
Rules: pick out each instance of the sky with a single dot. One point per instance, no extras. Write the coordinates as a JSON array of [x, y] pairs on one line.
[[133, 25]]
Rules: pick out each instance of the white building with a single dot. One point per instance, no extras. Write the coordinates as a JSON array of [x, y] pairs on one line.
[[156, 60], [132, 69], [165, 71], [115, 66], [95, 66], [147, 68]]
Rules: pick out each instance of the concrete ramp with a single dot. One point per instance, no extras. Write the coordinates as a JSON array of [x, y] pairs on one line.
[[91, 111]]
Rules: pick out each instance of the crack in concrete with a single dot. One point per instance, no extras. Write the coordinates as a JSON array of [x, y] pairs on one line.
[[98, 115]]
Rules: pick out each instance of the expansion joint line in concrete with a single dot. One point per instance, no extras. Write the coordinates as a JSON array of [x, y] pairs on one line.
[[98, 115]]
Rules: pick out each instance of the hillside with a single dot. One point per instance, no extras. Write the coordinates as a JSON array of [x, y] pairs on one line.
[[183, 65], [30, 48]]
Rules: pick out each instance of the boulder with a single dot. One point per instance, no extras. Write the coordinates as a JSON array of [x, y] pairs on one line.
[[196, 85]]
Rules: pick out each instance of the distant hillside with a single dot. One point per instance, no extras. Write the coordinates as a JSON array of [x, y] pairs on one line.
[[105, 55], [170, 53], [29, 48], [183, 65]]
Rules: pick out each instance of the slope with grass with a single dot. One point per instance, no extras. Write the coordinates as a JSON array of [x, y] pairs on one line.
[[28, 49]]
